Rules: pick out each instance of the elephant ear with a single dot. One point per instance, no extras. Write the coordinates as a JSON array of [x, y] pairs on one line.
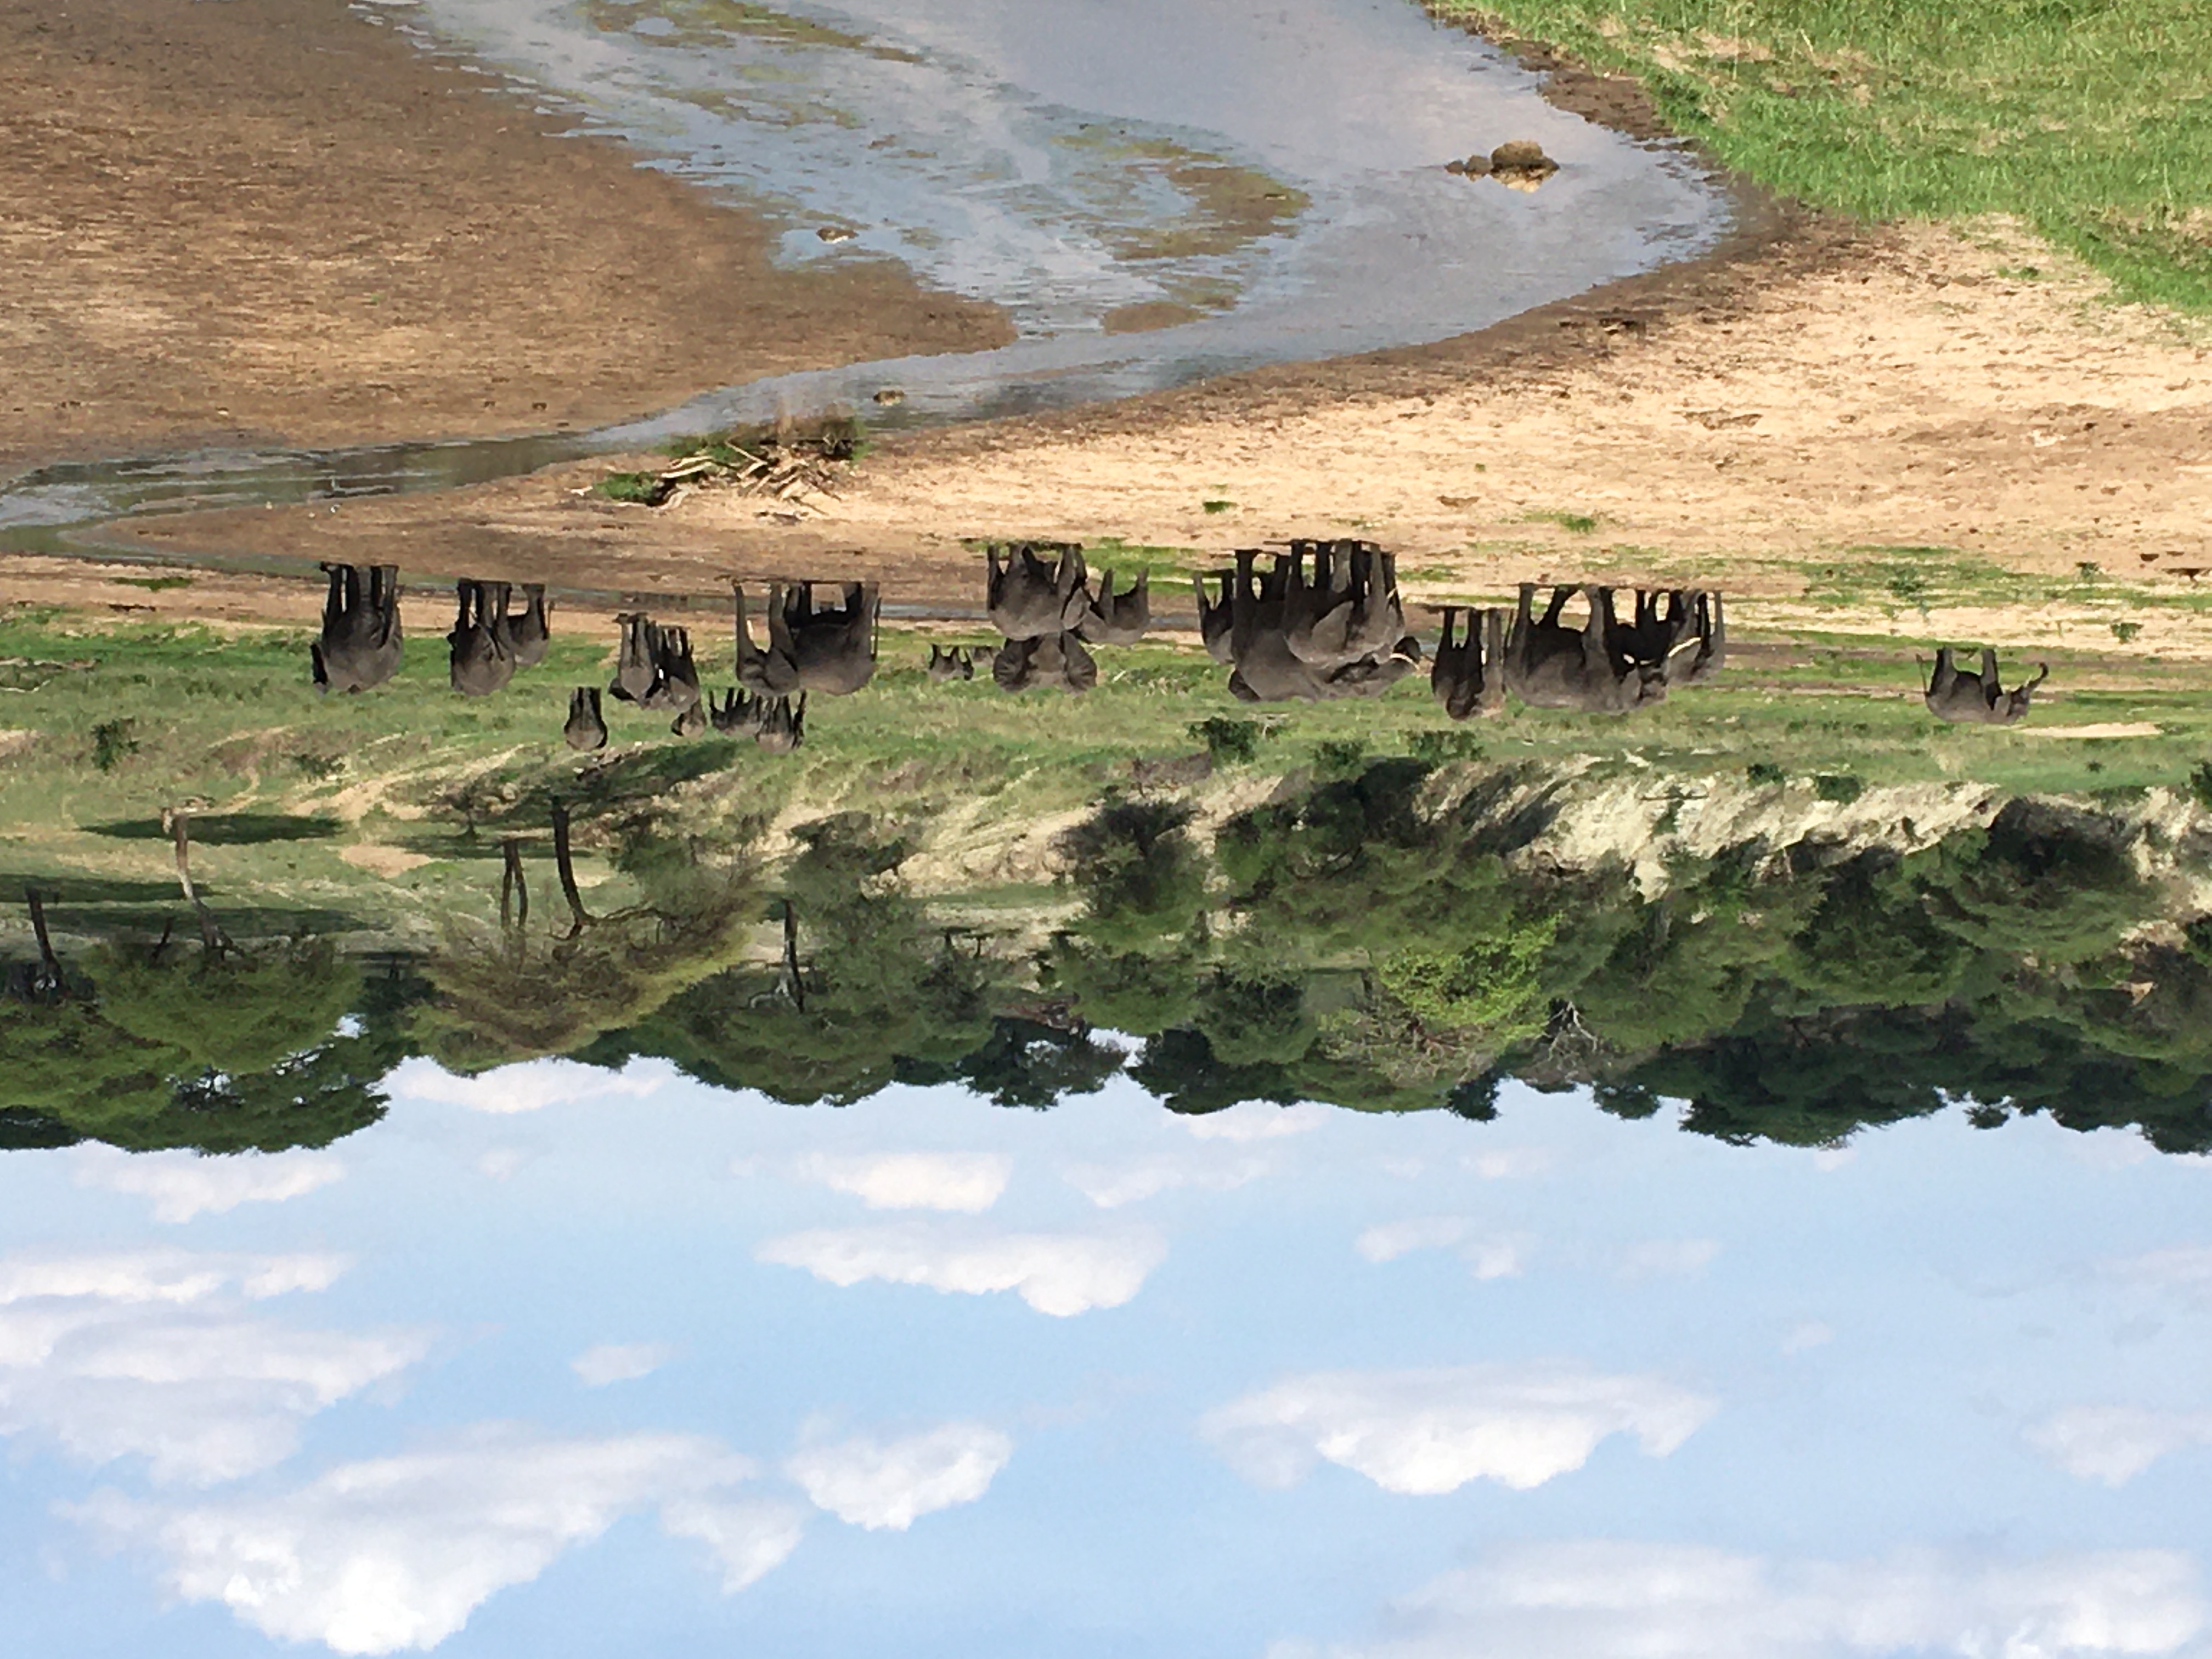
[[1327, 638]]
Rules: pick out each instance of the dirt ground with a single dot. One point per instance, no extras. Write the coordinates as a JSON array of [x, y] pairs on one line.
[[1818, 393], [269, 220]]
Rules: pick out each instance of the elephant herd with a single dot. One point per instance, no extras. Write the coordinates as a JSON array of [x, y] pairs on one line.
[[1322, 621]]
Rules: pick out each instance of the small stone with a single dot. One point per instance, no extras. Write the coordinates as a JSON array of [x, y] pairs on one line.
[[1475, 166], [835, 233], [1454, 166], [890, 395]]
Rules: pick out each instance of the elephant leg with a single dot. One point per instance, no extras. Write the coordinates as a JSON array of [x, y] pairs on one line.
[[748, 655], [1492, 673], [1559, 597]]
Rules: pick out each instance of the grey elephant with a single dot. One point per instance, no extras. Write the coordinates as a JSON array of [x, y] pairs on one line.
[[1028, 599], [776, 724], [954, 664], [1979, 699], [675, 678], [1707, 644], [1340, 603], [1217, 617], [1056, 660], [481, 648], [831, 650], [1652, 635], [1551, 665], [1468, 675], [1265, 612], [532, 630], [361, 641], [1111, 618], [586, 726], [636, 658]]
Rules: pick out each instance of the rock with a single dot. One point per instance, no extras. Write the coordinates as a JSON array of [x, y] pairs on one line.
[[1521, 165], [1454, 166], [1475, 166], [890, 395], [836, 234]]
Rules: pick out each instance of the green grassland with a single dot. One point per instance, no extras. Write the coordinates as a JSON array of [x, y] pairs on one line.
[[2089, 120]]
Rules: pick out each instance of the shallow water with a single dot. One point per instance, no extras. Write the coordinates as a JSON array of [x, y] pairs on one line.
[[1276, 170]]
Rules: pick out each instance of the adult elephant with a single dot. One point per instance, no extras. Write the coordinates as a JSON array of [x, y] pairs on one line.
[[775, 724], [831, 650], [1216, 617], [586, 726], [1979, 699], [1028, 599], [636, 658], [1468, 675], [361, 641], [1550, 665], [675, 678], [1348, 610], [532, 630], [1707, 646], [482, 649], [1653, 635], [1112, 618], [1056, 660]]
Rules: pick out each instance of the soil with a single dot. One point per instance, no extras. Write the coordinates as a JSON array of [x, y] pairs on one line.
[[271, 220], [1812, 394]]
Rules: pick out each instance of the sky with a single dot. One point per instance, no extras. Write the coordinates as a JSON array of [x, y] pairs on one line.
[[559, 1361]]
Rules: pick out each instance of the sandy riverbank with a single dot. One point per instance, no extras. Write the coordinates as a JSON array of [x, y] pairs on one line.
[[1818, 393], [268, 220]]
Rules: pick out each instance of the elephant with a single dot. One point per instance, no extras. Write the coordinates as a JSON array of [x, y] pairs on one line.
[[532, 630], [1112, 618], [1215, 617], [776, 724], [1261, 637], [587, 729], [1979, 699], [690, 723], [1349, 610], [1653, 637], [675, 679], [1707, 643], [361, 641], [1055, 659], [956, 664], [1468, 676], [1028, 599], [637, 659], [831, 651], [483, 650], [1553, 666]]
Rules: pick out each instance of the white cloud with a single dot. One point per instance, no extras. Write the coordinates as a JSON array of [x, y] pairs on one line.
[[530, 1086], [1109, 1186], [2185, 1270], [1511, 1163], [970, 1182], [1257, 1121], [615, 1362], [2108, 1149], [150, 1355], [397, 1552], [500, 1163], [185, 1184], [1811, 1334], [1430, 1432], [2115, 1443], [1668, 1258], [1829, 1159], [1499, 1257], [1608, 1600], [876, 1484], [749, 1539], [1057, 1273]]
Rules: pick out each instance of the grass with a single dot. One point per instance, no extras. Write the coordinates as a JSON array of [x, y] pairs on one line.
[[410, 790], [2089, 120]]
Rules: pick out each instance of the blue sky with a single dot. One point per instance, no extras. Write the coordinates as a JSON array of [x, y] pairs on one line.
[[557, 1360]]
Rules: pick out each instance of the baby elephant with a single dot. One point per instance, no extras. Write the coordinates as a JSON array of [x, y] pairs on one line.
[[956, 664], [587, 729], [1979, 699]]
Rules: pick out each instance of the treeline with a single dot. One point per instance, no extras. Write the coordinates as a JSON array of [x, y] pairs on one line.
[[1340, 945]]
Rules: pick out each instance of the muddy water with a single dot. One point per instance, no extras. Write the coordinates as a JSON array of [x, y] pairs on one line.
[[1157, 190]]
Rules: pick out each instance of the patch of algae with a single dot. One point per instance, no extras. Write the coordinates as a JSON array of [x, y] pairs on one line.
[[709, 22], [1229, 206]]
